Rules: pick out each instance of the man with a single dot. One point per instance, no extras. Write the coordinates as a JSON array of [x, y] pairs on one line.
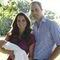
[[46, 34]]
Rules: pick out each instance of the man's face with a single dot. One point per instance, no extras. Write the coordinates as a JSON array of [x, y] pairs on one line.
[[36, 11]]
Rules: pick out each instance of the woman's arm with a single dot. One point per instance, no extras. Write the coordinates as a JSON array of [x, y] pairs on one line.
[[31, 52], [10, 52], [6, 51], [2, 42]]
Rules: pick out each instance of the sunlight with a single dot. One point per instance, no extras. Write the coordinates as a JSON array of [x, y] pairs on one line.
[[5, 2], [52, 5], [58, 57], [3, 56]]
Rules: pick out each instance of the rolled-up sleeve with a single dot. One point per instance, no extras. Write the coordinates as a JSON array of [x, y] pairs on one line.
[[55, 32]]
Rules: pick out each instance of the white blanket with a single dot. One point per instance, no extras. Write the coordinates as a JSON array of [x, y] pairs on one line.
[[18, 52]]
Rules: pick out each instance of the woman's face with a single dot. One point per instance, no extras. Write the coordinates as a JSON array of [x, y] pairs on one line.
[[21, 22]]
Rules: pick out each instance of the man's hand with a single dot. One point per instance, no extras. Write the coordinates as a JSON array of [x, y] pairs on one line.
[[55, 54]]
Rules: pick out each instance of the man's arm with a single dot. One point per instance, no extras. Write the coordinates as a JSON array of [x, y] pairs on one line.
[[55, 33], [55, 54]]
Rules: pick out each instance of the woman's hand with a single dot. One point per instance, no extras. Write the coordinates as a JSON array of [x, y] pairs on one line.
[[2, 42], [7, 51], [30, 58], [12, 56], [10, 52]]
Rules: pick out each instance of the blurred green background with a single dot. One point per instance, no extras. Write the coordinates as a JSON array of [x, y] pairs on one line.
[[10, 8]]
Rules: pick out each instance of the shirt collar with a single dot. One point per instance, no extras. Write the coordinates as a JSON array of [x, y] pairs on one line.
[[43, 20]]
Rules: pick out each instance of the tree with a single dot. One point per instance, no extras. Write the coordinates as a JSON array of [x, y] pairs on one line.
[[49, 14], [9, 11], [23, 5]]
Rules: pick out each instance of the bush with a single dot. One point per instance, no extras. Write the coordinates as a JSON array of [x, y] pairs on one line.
[[5, 24]]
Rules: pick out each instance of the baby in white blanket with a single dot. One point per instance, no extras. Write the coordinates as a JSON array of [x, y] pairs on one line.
[[18, 52]]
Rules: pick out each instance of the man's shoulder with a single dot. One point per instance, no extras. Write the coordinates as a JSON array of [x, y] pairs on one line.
[[50, 21]]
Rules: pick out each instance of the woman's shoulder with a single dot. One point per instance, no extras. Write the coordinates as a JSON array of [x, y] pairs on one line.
[[8, 36]]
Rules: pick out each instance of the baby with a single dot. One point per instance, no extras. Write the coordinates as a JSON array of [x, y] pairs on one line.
[[19, 53]]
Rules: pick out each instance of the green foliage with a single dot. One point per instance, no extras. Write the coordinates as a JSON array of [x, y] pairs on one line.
[[9, 11], [0, 5], [49, 14], [5, 23], [23, 6]]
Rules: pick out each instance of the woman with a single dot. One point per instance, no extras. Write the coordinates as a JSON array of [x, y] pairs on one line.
[[21, 35]]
